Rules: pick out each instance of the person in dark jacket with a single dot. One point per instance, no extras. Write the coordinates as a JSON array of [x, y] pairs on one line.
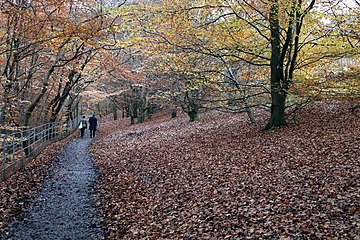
[[92, 125], [83, 126]]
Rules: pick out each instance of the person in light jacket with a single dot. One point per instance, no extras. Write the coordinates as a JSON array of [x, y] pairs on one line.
[[83, 126], [92, 125]]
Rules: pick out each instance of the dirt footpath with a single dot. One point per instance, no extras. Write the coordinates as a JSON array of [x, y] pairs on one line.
[[64, 208]]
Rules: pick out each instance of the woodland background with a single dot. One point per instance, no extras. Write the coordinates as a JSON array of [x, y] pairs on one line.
[[62, 58], [225, 71]]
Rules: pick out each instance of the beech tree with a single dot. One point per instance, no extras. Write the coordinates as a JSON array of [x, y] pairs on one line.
[[279, 37], [284, 55], [45, 53]]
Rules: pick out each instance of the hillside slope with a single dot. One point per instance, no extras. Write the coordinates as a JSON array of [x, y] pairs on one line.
[[223, 178]]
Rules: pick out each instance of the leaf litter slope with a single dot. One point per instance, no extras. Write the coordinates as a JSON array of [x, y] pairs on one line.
[[222, 178]]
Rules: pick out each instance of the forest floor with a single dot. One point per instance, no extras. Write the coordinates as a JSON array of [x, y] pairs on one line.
[[218, 178], [224, 178]]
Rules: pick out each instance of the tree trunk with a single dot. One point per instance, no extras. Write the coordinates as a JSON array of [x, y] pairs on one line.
[[45, 84], [193, 115], [132, 120], [61, 98], [142, 105], [278, 94], [114, 110], [277, 118], [132, 111], [173, 113], [98, 109], [250, 115]]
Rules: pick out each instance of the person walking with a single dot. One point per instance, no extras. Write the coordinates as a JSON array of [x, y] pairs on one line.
[[82, 126], [92, 125]]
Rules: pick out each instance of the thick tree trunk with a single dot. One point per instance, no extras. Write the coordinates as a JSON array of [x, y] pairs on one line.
[[278, 94], [277, 118], [193, 115], [281, 73]]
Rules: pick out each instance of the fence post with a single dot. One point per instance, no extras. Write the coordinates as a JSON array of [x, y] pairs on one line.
[[21, 149], [42, 133], [47, 132], [58, 129], [13, 146], [34, 136], [13, 152], [29, 142], [22, 141], [4, 158]]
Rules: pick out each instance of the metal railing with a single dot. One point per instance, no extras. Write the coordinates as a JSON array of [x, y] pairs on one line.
[[24, 144]]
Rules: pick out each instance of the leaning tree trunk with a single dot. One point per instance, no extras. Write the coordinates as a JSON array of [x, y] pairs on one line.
[[250, 114], [45, 84], [73, 78]]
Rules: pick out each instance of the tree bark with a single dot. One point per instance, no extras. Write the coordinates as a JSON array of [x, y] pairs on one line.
[[114, 110], [277, 118], [142, 105], [74, 77], [250, 115], [193, 115], [173, 113], [45, 84], [278, 95]]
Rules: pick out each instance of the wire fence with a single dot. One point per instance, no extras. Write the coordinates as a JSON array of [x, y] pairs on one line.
[[19, 146]]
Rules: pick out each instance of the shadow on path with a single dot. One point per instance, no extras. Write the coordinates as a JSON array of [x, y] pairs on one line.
[[64, 208]]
